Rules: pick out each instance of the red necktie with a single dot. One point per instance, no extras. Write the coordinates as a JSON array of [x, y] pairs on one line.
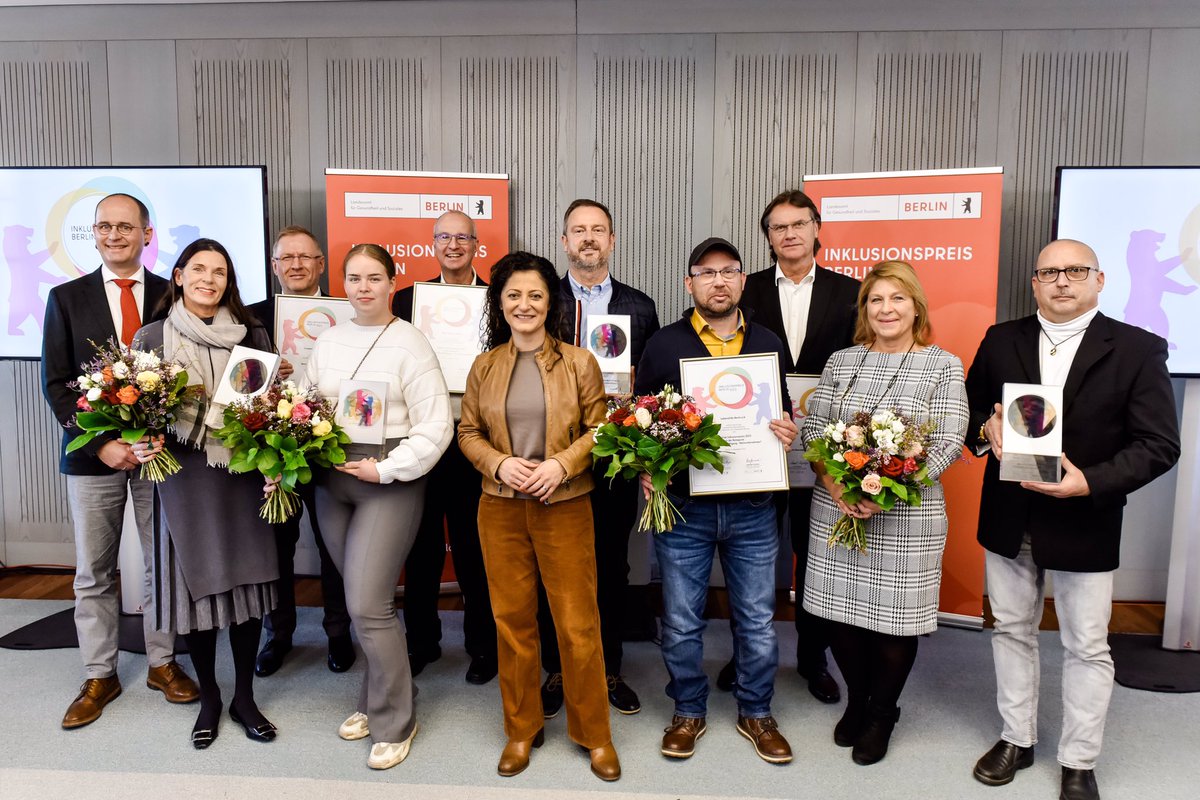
[[130, 319]]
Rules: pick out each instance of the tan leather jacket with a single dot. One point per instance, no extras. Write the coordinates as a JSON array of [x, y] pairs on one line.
[[575, 407]]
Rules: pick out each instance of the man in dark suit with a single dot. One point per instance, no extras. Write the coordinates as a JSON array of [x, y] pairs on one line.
[[1119, 433], [451, 502], [588, 239], [812, 310], [298, 263], [109, 303]]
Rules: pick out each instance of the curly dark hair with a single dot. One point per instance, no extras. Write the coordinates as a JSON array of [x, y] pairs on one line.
[[231, 299], [495, 328]]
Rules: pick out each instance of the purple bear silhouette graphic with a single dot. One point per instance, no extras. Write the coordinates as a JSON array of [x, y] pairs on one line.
[[1148, 282], [25, 275], [762, 404]]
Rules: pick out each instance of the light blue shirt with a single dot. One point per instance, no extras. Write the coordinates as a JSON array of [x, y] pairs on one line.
[[590, 301]]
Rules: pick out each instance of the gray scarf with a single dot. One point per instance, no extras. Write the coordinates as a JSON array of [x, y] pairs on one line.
[[203, 350]]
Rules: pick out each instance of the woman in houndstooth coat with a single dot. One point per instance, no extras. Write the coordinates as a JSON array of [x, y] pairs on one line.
[[880, 601]]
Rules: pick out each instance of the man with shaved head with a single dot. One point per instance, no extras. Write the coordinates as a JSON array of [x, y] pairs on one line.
[[1119, 433], [451, 499]]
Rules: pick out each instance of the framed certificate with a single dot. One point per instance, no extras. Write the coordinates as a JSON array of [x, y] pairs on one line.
[[609, 339], [247, 373], [362, 410], [800, 471], [451, 317], [300, 319], [1033, 426], [743, 394]]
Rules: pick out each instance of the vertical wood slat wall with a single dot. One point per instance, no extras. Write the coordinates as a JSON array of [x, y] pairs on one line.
[[682, 136]]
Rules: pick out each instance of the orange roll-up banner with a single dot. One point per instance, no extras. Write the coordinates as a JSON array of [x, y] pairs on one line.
[[396, 210], [946, 223]]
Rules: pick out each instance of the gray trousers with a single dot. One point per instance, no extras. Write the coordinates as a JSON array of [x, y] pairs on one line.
[[369, 529], [98, 509]]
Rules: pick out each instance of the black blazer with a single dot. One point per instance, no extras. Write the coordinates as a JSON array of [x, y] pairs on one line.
[[1119, 428], [77, 311], [402, 300], [831, 315], [264, 312]]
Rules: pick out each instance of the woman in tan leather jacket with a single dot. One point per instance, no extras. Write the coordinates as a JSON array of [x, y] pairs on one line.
[[531, 405]]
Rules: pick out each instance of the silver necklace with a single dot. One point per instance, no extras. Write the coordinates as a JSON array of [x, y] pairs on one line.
[[1055, 345]]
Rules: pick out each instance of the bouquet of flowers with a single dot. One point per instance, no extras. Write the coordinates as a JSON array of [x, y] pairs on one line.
[[880, 456], [282, 433], [661, 435], [133, 392]]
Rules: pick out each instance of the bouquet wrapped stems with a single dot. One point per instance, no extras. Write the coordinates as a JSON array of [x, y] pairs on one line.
[[849, 532], [280, 505], [660, 513], [159, 468]]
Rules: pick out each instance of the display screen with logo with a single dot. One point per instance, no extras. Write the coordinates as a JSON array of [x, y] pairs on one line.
[[1144, 224], [46, 238]]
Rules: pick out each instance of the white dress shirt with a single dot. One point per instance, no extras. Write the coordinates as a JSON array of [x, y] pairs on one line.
[[113, 293], [794, 302]]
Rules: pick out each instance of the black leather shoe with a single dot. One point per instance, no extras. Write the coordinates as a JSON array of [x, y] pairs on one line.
[[552, 695], [822, 685], [727, 677], [1079, 784], [270, 658], [872, 744], [341, 653], [203, 737], [264, 732], [998, 765], [481, 670], [417, 661], [621, 697], [851, 725]]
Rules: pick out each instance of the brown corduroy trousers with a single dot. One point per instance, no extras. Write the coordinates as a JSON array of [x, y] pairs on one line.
[[522, 539]]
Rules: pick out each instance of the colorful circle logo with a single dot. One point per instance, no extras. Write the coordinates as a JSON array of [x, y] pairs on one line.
[[731, 388], [69, 225], [452, 311], [315, 321]]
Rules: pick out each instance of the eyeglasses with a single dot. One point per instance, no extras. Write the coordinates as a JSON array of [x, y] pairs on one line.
[[461, 238], [105, 228], [706, 275], [303, 259], [798, 226], [1075, 272]]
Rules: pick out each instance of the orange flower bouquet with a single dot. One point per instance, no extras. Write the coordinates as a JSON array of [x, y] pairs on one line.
[[662, 435], [134, 393]]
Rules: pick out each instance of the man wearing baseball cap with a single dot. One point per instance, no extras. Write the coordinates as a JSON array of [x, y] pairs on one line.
[[740, 527]]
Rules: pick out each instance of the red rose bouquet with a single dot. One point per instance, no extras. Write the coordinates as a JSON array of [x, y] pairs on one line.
[[660, 435], [880, 456], [134, 393], [282, 433]]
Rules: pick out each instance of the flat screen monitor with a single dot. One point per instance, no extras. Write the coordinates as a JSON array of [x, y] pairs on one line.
[[1144, 224], [46, 216]]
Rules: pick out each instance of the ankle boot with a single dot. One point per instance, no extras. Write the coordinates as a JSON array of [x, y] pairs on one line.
[[515, 757], [872, 745], [852, 723]]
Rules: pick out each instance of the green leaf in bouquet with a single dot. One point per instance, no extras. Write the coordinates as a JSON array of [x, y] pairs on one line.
[[707, 457], [629, 458], [125, 412], [82, 440], [94, 420], [614, 466], [288, 479], [304, 474], [132, 435], [289, 444], [242, 462], [602, 449], [900, 490], [268, 462], [659, 480], [273, 440], [336, 455], [648, 448]]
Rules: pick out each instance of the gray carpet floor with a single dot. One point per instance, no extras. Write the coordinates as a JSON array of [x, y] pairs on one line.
[[141, 748]]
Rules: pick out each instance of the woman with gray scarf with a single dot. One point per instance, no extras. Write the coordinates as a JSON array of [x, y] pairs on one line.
[[215, 562]]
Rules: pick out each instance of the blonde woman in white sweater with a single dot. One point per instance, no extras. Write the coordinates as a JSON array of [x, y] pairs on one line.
[[369, 507]]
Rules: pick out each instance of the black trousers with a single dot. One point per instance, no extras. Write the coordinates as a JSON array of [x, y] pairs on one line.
[[812, 632], [281, 623], [451, 504], [614, 511]]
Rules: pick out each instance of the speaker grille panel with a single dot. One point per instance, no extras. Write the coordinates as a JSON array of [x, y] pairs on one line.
[[374, 112]]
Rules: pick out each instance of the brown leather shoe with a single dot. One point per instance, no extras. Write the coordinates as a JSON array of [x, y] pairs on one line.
[[515, 757], [173, 682], [605, 764], [679, 739], [763, 733], [93, 696]]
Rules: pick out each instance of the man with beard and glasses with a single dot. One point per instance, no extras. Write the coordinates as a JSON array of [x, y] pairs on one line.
[[741, 527], [588, 288]]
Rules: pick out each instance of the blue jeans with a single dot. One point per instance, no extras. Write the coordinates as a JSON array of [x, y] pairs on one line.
[[744, 533]]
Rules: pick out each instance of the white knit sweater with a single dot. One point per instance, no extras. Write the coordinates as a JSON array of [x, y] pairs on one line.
[[418, 405]]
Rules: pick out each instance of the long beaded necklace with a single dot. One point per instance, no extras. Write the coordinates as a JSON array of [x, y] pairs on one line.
[[854, 378]]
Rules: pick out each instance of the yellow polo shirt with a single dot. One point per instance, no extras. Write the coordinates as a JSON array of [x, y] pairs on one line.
[[718, 345]]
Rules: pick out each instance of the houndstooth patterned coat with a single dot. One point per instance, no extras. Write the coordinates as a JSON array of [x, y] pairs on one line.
[[893, 587]]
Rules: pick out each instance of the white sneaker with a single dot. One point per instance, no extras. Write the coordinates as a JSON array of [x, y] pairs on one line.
[[355, 727], [385, 755]]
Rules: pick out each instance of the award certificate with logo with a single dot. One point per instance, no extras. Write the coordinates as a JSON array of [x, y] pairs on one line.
[[800, 471], [451, 317], [743, 394], [300, 319], [362, 410]]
